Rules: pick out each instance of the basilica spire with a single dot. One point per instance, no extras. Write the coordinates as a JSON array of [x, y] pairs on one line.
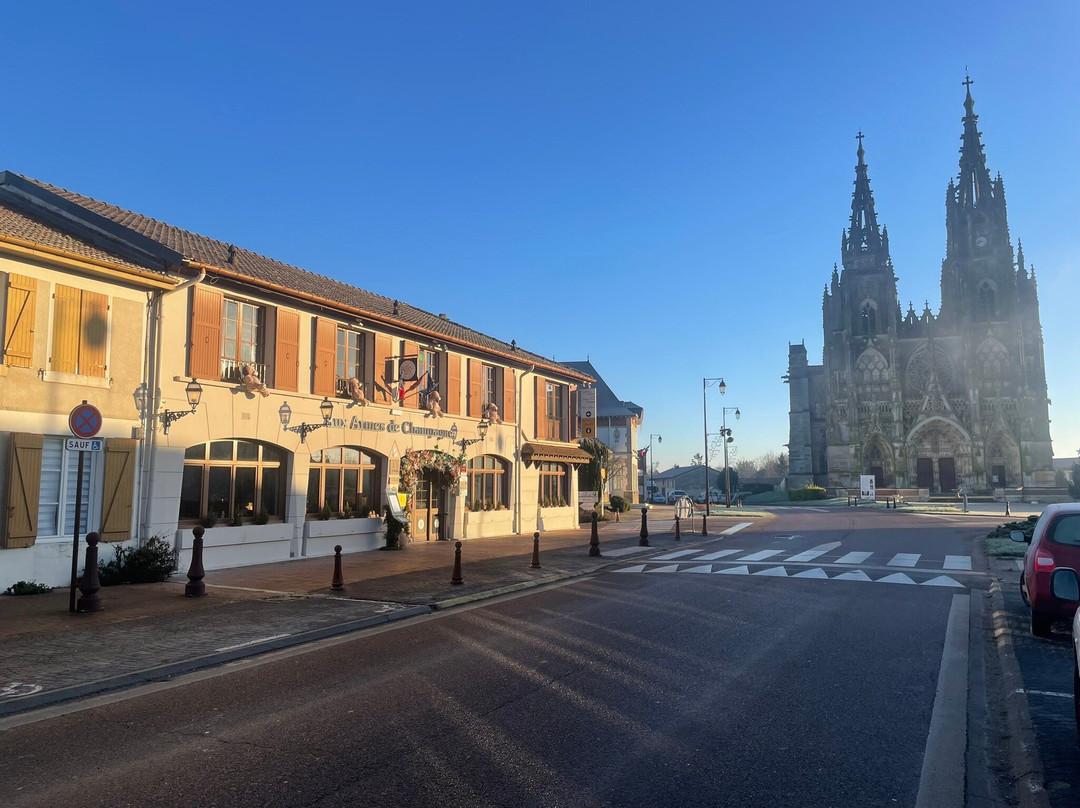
[[863, 234], [974, 189]]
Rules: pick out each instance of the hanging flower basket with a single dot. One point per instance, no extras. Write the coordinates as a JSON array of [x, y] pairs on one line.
[[413, 465]]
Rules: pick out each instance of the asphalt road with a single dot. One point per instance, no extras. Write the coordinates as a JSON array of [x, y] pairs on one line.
[[673, 688]]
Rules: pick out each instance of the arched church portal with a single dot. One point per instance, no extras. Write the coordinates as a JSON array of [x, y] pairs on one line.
[[1002, 461], [878, 460], [940, 456]]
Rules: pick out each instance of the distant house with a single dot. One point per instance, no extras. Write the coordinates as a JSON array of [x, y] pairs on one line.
[[617, 424], [690, 479]]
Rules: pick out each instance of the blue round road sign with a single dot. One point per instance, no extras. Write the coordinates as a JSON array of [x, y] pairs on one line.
[[85, 420]]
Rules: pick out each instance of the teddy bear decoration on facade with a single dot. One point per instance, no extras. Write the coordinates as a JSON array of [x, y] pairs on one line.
[[356, 392], [251, 382], [434, 403], [491, 412]]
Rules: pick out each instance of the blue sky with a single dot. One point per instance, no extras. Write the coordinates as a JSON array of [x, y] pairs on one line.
[[658, 186]]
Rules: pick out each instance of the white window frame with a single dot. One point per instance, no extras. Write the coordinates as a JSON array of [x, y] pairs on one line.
[[93, 464]]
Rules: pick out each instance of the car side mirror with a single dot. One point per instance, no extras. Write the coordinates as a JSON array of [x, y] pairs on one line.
[[1019, 535], [1064, 585]]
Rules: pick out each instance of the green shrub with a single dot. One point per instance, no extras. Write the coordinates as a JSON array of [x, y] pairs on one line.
[[154, 561], [325, 513], [27, 588], [238, 519], [619, 503], [263, 517], [209, 520], [807, 492], [1026, 526]]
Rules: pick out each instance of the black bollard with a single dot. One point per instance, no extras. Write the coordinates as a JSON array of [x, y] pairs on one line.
[[89, 584], [643, 536], [456, 578], [594, 539], [678, 535], [339, 580], [195, 588], [704, 529], [536, 552], [1007, 512]]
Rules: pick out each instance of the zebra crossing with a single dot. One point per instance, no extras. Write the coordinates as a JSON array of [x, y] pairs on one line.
[[824, 562]]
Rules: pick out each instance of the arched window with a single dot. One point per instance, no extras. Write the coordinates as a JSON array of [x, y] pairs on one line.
[[346, 479], [230, 477], [986, 302], [992, 360], [871, 368], [553, 489], [487, 483], [869, 319]]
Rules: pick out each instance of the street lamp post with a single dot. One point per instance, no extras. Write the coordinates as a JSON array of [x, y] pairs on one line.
[[725, 433], [648, 459], [722, 386]]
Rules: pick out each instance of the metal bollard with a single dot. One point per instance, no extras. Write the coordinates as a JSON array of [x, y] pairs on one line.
[[1007, 512], [89, 584], [339, 580], [643, 536], [456, 578], [594, 539], [678, 535], [535, 565], [704, 529], [195, 588]]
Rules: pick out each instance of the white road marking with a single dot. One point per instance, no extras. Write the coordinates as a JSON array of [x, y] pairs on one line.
[[816, 572], [1020, 564], [676, 554], [668, 568], [905, 560], [743, 570], [702, 568], [1044, 693], [853, 558], [854, 575], [778, 572], [761, 555], [731, 531], [895, 578], [252, 642], [714, 556], [942, 580], [957, 562], [636, 568], [623, 551], [14, 690], [814, 552]]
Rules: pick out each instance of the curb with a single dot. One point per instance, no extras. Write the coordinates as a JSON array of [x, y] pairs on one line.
[[1025, 765], [49, 698]]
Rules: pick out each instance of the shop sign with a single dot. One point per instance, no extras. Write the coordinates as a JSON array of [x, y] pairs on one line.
[[395, 427]]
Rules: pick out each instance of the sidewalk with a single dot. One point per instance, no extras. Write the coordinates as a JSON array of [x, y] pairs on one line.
[[151, 632]]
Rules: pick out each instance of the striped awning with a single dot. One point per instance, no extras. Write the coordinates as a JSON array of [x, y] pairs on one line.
[[537, 452]]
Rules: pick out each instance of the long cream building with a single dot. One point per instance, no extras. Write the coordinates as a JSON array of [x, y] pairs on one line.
[[251, 397]]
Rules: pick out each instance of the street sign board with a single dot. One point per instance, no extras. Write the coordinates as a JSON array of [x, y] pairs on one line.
[[867, 488], [84, 444], [85, 421], [587, 405]]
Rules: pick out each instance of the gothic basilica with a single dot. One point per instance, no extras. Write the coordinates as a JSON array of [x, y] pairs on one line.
[[942, 402]]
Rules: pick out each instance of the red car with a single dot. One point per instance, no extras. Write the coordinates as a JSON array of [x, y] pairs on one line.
[[1055, 543]]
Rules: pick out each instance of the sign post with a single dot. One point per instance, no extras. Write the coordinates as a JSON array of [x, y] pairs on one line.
[[84, 422], [867, 488], [587, 402]]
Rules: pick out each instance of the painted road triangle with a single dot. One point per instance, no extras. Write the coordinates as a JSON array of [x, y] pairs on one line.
[[743, 570], [942, 580], [895, 578], [778, 572], [703, 568], [636, 568], [816, 572], [665, 568], [854, 575]]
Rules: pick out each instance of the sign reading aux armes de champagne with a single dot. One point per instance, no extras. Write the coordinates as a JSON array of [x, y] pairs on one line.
[[587, 402]]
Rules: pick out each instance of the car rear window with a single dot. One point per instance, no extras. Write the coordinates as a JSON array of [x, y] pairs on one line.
[[1066, 530]]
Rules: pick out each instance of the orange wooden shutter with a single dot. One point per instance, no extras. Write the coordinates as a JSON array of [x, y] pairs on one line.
[[93, 334], [509, 399], [24, 485], [204, 360], [19, 321], [287, 351], [369, 366], [540, 409], [65, 345], [475, 402], [574, 424], [118, 489], [384, 373], [412, 389], [453, 384], [325, 371], [564, 420]]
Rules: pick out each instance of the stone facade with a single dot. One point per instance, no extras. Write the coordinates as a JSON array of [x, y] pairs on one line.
[[942, 402]]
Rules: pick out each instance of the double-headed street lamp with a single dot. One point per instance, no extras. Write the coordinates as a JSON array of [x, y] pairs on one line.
[[725, 433], [648, 459], [722, 387]]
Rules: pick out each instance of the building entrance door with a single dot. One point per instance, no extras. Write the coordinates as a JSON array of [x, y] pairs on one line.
[[924, 473], [879, 476], [429, 501], [946, 467], [997, 476]]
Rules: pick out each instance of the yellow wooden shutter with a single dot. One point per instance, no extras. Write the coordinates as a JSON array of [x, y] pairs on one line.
[[509, 396], [204, 360], [93, 334], [325, 370], [453, 385], [118, 489], [66, 326], [287, 351], [19, 321], [24, 485], [475, 401]]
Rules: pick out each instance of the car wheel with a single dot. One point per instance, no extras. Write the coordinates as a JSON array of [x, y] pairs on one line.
[[1041, 624], [1023, 590]]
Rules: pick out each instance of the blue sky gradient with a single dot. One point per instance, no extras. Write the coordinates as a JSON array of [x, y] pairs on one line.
[[659, 187]]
